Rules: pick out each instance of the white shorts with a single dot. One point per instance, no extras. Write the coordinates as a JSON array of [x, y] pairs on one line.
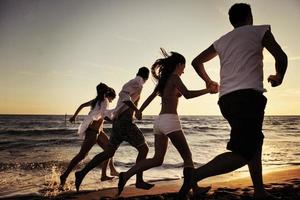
[[166, 123]]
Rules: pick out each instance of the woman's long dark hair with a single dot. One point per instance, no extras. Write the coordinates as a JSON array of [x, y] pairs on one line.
[[110, 93], [163, 68], [101, 90]]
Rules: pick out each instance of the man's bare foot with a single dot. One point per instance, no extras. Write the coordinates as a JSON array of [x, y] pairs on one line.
[[144, 185], [265, 196], [106, 178], [200, 190]]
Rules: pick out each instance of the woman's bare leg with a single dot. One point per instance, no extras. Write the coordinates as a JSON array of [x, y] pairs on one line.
[[161, 144], [87, 144], [179, 141]]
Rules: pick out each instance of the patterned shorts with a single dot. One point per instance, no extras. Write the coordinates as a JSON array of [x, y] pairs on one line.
[[126, 130]]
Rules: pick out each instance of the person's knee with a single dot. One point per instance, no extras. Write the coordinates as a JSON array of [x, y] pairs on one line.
[[81, 155], [157, 161], [143, 149], [110, 152]]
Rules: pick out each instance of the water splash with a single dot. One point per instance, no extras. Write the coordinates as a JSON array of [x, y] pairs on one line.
[[52, 183]]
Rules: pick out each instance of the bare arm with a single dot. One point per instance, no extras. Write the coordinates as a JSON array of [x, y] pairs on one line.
[[197, 63], [188, 94], [148, 100], [281, 59], [89, 103], [131, 105], [138, 114]]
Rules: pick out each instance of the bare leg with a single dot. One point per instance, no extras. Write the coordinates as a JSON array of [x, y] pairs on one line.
[[113, 170], [87, 144], [161, 144], [140, 183], [102, 141], [98, 159], [179, 141], [255, 169]]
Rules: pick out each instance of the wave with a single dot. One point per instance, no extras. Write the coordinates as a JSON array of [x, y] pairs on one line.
[[26, 144], [37, 132], [54, 131]]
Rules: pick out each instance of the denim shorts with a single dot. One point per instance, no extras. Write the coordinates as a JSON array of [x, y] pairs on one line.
[[244, 110]]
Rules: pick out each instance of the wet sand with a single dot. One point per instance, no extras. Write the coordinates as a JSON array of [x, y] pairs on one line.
[[283, 183]]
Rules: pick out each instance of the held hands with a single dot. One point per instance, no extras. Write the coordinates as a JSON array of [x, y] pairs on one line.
[[275, 80], [108, 119], [213, 87], [138, 115], [72, 119]]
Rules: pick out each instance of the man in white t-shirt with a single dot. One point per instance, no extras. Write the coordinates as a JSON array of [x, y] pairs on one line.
[[241, 101], [124, 129]]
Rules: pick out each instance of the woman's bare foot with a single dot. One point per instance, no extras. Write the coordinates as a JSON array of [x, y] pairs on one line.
[[106, 178], [122, 183], [62, 181], [114, 173], [78, 180]]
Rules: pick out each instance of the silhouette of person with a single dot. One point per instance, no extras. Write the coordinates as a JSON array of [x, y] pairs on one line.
[[91, 130], [167, 72], [124, 129], [241, 101]]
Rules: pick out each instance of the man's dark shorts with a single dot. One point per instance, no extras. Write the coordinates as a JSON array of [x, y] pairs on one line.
[[244, 110], [124, 129]]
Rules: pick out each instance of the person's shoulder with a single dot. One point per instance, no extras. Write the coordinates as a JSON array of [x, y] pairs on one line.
[[263, 27], [223, 38]]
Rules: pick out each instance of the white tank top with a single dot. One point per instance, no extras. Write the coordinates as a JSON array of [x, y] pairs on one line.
[[240, 53]]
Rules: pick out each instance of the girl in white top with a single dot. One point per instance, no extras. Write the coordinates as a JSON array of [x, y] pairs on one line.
[[167, 72], [91, 130]]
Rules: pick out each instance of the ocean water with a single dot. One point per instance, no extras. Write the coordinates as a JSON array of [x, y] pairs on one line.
[[35, 149]]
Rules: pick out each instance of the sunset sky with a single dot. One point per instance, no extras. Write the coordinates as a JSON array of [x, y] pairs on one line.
[[55, 52]]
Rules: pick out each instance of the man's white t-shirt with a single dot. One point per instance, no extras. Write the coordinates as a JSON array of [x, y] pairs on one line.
[[240, 53]]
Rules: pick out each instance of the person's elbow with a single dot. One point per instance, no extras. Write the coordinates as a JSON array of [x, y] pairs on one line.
[[285, 59], [282, 59], [195, 63], [187, 95]]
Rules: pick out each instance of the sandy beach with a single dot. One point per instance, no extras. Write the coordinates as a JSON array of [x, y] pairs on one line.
[[283, 183]]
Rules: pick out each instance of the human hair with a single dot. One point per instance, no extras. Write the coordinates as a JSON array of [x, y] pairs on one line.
[[101, 88], [143, 72], [163, 68], [239, 13], [110, 93]]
